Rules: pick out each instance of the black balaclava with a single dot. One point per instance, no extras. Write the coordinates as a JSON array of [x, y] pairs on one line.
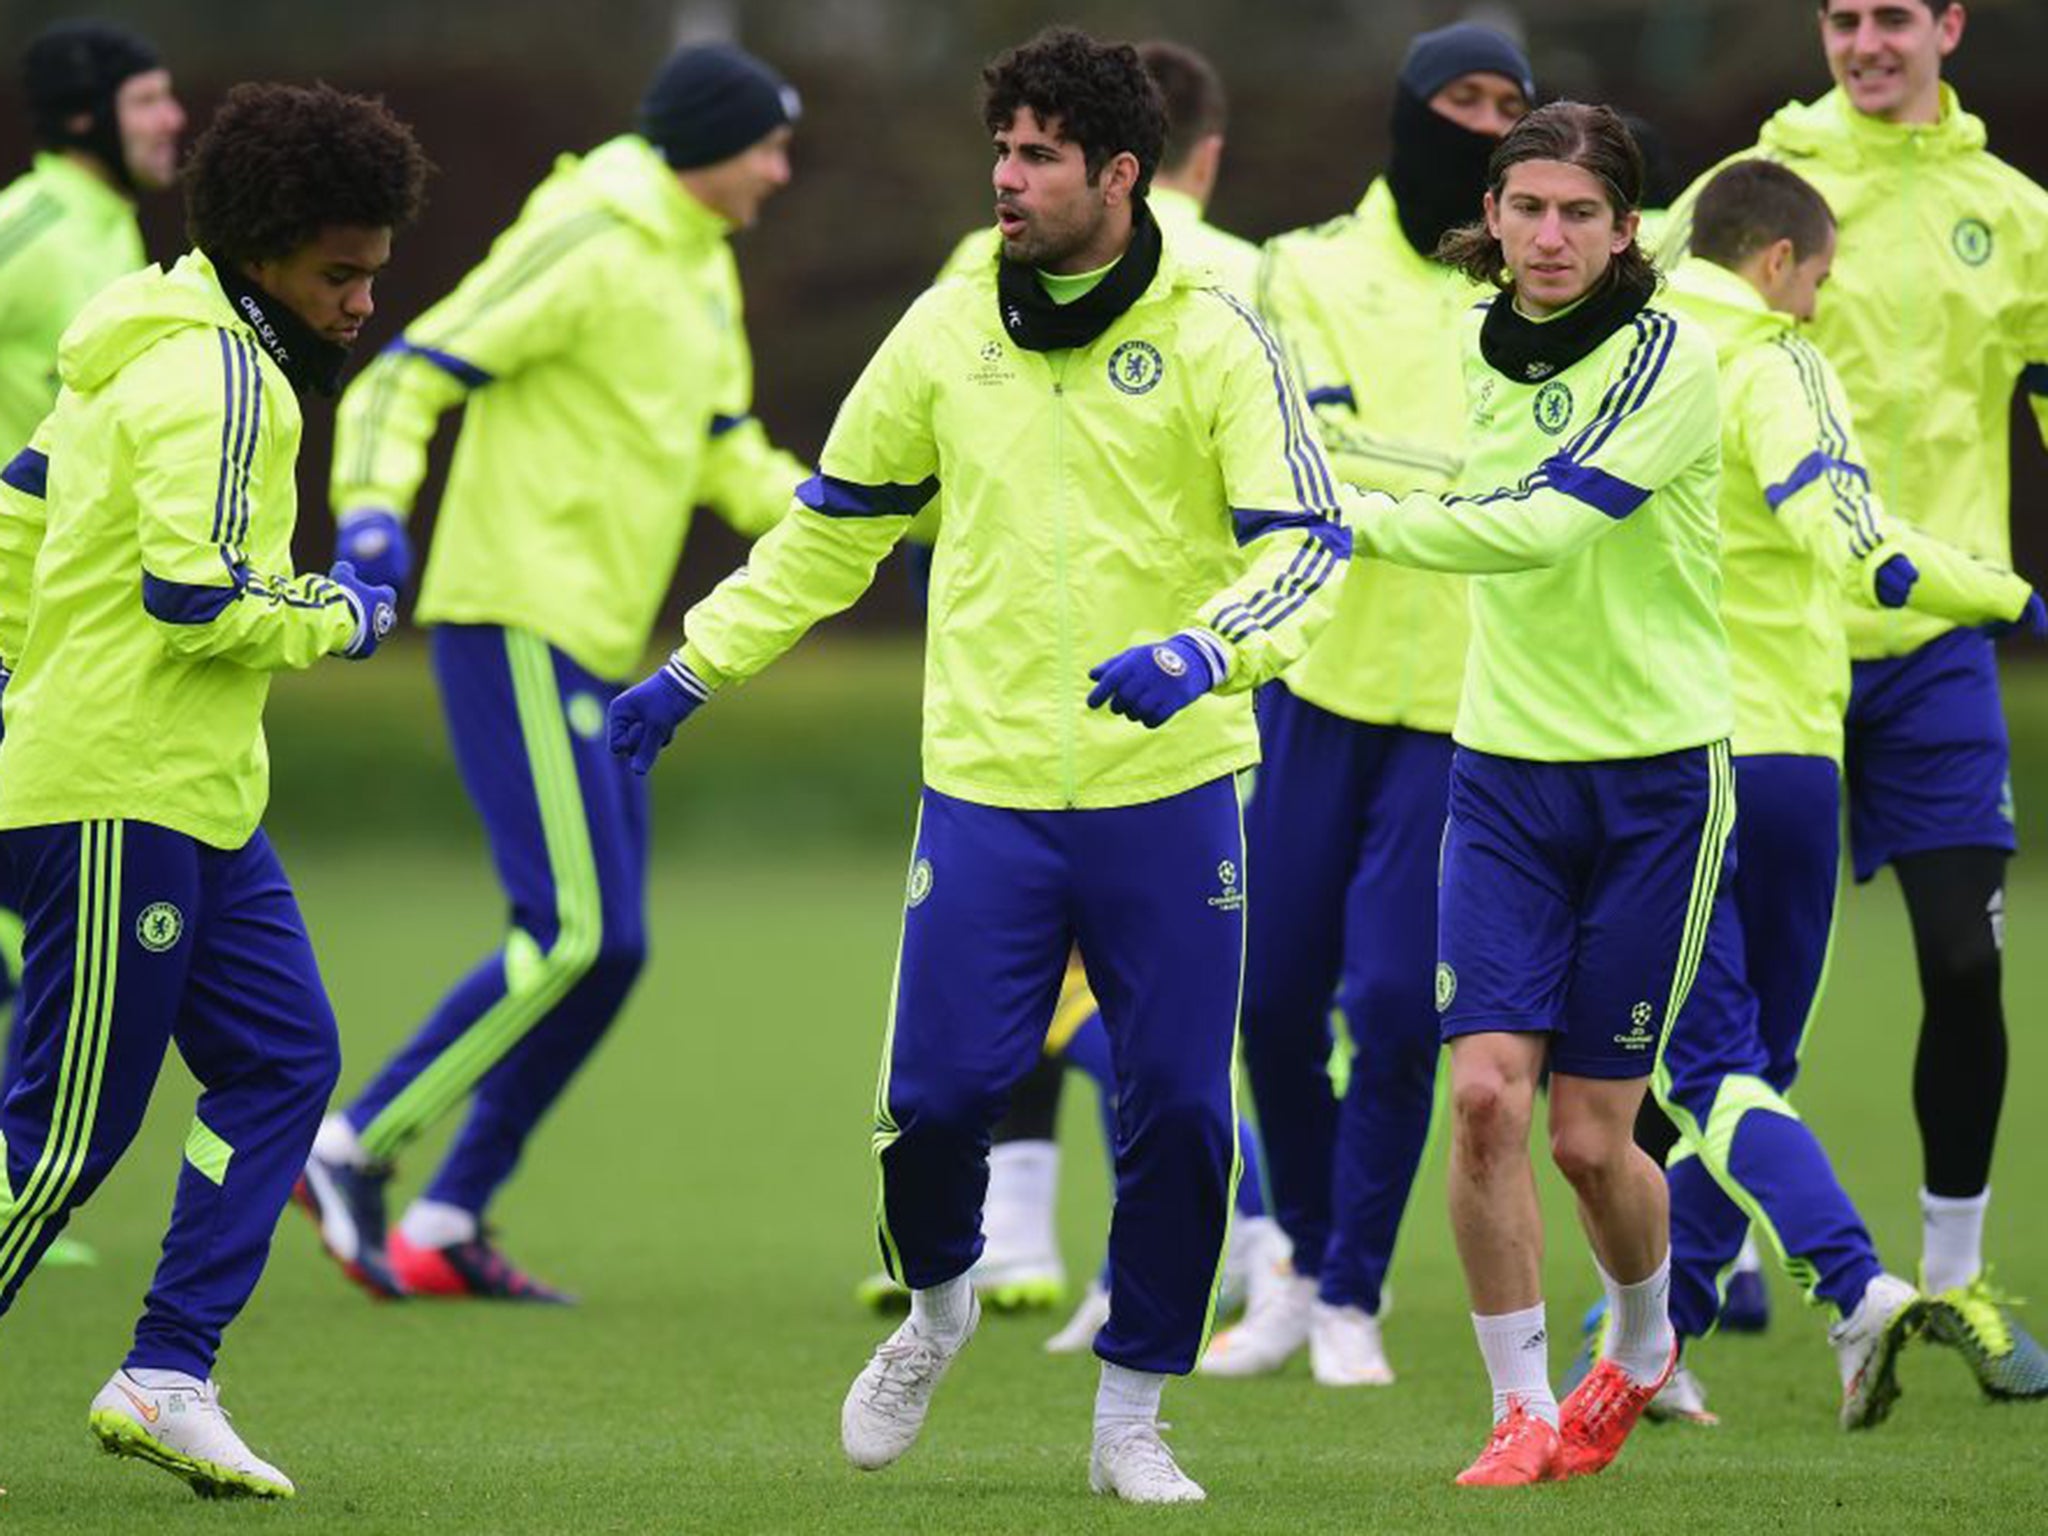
[[73, 69], [1437, 170], [712, 100]]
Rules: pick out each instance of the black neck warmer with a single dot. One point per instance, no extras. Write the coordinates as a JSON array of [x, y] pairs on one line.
[[307, 359], [1529, 351], [1032, 320], [1437, 171]]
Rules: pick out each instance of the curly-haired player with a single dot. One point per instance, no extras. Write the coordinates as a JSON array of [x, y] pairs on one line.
[[147, 593], [1128, 484]]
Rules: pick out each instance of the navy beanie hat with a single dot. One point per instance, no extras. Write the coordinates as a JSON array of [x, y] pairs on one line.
[[73, 69], [1437, 58], [712, 100]]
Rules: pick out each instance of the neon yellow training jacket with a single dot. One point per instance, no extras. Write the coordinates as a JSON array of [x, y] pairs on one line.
[[64, 235], [1936, 311], [1163, 477], [146, 585], [1586, 517], [601, 351], [1800, 528], [1374, 331]]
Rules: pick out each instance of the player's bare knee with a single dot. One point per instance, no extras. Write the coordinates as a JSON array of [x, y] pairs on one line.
[[1590, 1153], [1490, 1111]]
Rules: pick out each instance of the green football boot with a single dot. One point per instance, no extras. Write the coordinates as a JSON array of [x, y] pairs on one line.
[[1977, 1321]]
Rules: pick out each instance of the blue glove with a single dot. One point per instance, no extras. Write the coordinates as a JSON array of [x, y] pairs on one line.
[[1153, 683], [376, 610], [374, 543], [6, 677], [917, 566], [2033, 619], [1895, 580], [644, 718]]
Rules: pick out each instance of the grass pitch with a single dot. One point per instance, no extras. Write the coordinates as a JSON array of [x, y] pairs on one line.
[[706, 1188]]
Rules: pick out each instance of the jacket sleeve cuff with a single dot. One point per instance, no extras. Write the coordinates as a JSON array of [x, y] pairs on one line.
[[687, 664]]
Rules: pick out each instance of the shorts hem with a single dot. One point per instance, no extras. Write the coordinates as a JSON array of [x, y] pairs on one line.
[[1604, 1071], [1516, 1024], [1867, 869]]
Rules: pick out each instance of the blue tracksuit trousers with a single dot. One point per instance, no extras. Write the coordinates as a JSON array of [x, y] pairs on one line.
[[136, 937], [1155, 896]]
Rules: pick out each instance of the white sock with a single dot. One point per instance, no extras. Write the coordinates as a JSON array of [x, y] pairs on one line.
[[1639, 1336], [1748, 1261], [165, 1381], [432, 1224], [1516, 1348], [1126, 1396], [1951, 1240], [337, 1142], [942, 1310], [1017, 1215]]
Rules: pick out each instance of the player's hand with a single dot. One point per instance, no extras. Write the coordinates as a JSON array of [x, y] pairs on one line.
[[2032, 620], [376, 610], [1894, 581], [644, 718], [374, 542], [1153, 683]]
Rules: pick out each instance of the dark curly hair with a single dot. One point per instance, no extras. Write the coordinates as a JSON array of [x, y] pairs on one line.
[[280, 163], [1099, 94], [1594, 139]]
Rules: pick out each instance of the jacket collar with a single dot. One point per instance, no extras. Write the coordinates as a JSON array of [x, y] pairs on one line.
[[1832, 129], [1732, 311], [628, 176]]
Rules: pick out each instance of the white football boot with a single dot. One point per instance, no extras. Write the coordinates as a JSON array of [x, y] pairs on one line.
[[1079, 1334], [1345, 1348], [184, 1430], [886, 1405], [1273, 1330], [1258, 1252], [1681, 1400], [1867, 1344], [1130, 1462]]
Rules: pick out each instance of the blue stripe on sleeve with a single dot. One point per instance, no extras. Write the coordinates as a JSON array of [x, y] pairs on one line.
[[460, 369], [28, 472], [177, 602], [1598, 489], [1846, 479], [231, 404], [722, 424], [1655, 333], [1312, 482], [1252, 525], [1333, 394], [848, 498], [1616, 391], [2034, 378], [1808, 470], [1304, 576], [249, 444]]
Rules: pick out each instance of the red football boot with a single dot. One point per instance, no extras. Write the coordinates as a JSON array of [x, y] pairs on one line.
[[1602, 1409], [1522, 1450], [475, 1268]]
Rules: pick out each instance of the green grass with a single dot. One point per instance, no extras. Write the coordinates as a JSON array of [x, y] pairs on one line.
[[706, 1187]]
